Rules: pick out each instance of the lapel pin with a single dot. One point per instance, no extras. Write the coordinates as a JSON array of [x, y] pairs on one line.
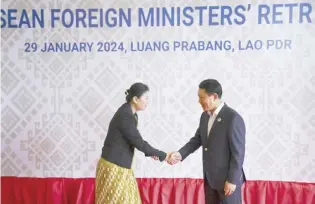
[[219, 119]]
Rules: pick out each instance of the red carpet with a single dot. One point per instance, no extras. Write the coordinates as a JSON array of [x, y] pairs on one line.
[[18, 190]]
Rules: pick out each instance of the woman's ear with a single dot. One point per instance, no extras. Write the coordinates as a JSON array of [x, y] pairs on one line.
[[135, 99]]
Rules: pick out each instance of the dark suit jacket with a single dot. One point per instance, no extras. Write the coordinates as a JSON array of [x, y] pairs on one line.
[[123, 137], [223, 151]]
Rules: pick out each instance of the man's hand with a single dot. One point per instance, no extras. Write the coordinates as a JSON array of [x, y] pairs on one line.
[[229, 188], [173, 158]]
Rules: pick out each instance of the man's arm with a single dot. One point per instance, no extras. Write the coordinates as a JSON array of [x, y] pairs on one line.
[[193, 144], [236, 137]]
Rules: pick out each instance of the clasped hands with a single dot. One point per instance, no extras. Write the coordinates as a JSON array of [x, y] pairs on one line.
[[171, 158]]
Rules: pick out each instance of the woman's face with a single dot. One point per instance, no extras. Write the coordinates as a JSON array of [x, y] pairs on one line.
[[141, 102]]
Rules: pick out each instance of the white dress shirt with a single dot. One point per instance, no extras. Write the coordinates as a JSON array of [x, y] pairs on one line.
[[214, 116]]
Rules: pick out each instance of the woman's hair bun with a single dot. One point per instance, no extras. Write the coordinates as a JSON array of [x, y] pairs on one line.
[[127, 92]]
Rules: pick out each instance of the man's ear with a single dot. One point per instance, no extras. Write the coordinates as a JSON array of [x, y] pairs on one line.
[[215, 96]]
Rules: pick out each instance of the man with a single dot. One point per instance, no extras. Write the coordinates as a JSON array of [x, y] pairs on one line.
[[221, 133]]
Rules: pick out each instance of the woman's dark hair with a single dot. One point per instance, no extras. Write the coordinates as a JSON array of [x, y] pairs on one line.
[[136, 89]]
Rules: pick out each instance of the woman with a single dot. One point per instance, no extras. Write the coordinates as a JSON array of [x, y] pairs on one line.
[[115, 180]]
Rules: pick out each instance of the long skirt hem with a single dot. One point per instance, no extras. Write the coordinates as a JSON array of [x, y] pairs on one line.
[[115, 185]]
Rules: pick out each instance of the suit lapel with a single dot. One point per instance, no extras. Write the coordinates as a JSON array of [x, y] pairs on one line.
[[128, 110], [216, 125], [205, 127], [136, 117]]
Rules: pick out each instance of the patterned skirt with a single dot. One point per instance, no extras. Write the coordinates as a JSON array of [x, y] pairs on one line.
[[115, 185]]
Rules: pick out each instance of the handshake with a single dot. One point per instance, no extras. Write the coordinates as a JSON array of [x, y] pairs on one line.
[[171, 158]]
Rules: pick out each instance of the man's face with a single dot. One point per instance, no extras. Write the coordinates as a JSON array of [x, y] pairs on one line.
[[207, 101]]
